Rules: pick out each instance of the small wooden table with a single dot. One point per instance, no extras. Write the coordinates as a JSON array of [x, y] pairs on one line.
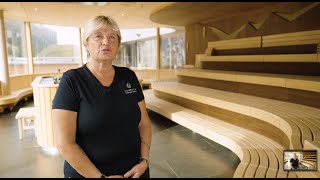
[[25, 115]]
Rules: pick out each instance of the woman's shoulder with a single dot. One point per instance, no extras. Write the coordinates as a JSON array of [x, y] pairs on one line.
[[124, 70], [74, 72]]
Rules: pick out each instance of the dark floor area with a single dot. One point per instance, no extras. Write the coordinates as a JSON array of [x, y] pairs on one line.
[[175, 152]]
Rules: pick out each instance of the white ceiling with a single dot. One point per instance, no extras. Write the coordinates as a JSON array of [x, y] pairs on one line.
[[128, 15]]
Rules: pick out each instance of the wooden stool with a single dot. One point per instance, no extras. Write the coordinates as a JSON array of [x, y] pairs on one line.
[[25, 115]]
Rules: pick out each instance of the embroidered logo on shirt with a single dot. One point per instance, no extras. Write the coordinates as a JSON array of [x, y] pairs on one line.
[[130, 90]]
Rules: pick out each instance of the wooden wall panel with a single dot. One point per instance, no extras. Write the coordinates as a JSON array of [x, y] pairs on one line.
[[214, 84], [238, 119], [270, 92], [20, 82], [304, 97], [278, 25], [257, 18], [271, 23], [195, 42]]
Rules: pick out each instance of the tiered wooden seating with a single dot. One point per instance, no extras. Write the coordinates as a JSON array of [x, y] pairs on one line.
[[257, 96], [260, 156], [288, 53], [297, 122]]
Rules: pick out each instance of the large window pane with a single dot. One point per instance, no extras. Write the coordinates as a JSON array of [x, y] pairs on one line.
[[139, 48], [172, 51], [118, 61], [147, 54], [17, 47], [55, 48], [129, 54]]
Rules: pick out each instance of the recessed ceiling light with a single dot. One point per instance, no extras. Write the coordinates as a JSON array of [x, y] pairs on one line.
[[36, 9], [90, 3], [123, 14], [95, 3]]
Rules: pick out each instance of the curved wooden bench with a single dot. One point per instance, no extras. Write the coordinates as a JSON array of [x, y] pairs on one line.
[[260, 157], [9, 101], [297, 122]]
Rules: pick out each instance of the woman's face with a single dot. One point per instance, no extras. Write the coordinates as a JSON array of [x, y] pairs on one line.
[[103, 44]]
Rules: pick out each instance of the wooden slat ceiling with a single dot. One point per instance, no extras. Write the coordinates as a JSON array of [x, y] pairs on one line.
[[182, 14], [127, 14]]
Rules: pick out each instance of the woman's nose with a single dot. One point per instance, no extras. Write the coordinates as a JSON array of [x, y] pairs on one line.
[[105, 40]]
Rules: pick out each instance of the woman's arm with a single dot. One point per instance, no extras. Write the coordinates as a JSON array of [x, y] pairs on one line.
[[145, 131], [64, 126], [146, 136]]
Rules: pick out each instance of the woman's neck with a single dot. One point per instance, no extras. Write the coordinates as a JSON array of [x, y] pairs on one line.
[[100, 69]]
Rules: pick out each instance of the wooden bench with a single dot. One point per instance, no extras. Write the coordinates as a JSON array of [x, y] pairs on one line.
[[260, 156], [9, 101], [25, 115]]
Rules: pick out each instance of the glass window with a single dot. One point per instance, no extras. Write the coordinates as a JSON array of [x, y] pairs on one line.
[[147, 54], [55, 48], [118, 61], [172, 51], [139, 48], [17, 47]]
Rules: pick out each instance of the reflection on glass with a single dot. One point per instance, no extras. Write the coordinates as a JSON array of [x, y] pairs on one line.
[[55, 48], [17, 47], [139, 49], [172, 51]]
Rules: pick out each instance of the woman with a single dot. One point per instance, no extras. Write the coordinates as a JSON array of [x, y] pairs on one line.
[[100, 121]]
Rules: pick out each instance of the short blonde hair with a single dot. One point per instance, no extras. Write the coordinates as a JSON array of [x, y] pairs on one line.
[[98, 22]]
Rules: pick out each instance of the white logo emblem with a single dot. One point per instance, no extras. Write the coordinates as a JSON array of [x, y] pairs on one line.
[[130, 90]]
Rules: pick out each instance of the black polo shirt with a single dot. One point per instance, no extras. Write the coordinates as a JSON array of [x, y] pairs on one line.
[[295, 163], [108, 117]]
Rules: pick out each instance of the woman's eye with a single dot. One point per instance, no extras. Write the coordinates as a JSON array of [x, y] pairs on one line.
[[97, 36]]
